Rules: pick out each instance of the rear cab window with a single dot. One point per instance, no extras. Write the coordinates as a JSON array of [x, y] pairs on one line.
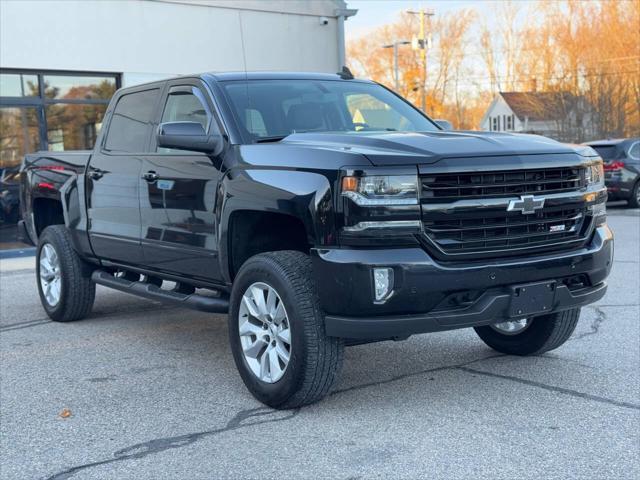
[[131, 122]]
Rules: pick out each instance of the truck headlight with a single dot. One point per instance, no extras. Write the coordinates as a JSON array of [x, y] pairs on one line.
[[381, 190], [380, 203], [594, 174]]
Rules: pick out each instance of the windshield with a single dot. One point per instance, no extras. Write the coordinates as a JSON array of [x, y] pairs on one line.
[[267, 109]]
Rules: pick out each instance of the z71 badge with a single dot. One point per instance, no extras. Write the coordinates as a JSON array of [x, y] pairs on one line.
[[557, 228]]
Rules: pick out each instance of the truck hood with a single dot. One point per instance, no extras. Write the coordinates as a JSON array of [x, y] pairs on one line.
[[410, 148]]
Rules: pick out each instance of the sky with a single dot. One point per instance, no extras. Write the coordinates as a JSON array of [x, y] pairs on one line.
[[374, 13]]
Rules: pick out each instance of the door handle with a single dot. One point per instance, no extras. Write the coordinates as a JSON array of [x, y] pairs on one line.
[[150, 176], [95, 173]]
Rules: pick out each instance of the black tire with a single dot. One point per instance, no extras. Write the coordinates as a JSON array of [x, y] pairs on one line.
[[315, 358], [77, 291], [545, 333], [634, 201]]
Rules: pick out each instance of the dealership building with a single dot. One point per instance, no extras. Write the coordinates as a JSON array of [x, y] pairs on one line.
[[61, 60]]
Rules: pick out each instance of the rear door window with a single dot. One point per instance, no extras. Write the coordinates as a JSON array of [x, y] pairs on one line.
[[132, 122]]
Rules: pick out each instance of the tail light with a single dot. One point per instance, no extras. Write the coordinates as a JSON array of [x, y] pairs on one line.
[[617, 165]]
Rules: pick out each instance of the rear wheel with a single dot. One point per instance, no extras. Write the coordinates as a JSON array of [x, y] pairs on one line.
[[530, 336], [64, 279], [276, 330]]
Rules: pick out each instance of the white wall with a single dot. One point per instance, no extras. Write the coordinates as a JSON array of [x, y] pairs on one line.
[[147, 40], [500, 107]]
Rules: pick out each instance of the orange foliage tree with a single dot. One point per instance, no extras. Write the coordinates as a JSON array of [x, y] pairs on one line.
[[588, 50]]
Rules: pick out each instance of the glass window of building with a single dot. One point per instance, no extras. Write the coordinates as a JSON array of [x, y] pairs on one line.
[[18, 85], [41, 110]]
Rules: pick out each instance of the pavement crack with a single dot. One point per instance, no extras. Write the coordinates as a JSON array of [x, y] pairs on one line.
[[549, 356], [94, 316], [412, 374], [242, 419], [595, 325], [552, 388], [21, 325]]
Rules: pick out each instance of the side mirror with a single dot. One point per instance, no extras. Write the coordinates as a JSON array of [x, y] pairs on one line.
[[188, 136], [444, 124]]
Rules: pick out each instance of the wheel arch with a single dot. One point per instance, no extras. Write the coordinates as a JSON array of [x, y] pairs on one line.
[[288, 210]]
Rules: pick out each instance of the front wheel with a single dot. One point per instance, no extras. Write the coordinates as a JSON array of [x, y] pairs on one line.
[[64, 279], [276, 330], [530, 336]]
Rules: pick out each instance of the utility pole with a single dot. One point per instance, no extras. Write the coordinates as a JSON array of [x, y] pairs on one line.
[[396, 73], [422, 44]]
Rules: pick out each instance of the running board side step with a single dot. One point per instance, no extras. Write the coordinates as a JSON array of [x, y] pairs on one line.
[[152, 292]]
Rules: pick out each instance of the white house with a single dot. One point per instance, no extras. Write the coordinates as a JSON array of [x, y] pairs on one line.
[[559, 115]]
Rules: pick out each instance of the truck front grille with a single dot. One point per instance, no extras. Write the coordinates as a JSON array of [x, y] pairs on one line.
[[466, 213], [494, 231], [446, 187]]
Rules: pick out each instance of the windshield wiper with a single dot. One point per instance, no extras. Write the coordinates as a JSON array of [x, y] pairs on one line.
[[275, 138]]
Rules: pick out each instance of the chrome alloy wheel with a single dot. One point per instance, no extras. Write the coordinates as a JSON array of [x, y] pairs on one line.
[[50, 280], [512, 328], [265, 334]]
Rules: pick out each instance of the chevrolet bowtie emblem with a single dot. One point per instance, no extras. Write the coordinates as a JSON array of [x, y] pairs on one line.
[[526, 205]]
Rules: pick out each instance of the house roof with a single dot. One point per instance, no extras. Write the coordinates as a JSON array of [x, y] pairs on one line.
[[540, 105]]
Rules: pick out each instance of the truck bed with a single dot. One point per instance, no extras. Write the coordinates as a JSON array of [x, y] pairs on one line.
[[71, 159]]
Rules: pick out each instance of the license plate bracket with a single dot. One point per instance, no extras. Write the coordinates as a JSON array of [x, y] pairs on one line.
[[532, 298]]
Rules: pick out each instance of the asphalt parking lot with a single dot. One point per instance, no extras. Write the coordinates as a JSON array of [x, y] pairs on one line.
[[152, 392]]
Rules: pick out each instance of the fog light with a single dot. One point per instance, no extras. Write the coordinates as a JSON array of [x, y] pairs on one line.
[[383, 284]]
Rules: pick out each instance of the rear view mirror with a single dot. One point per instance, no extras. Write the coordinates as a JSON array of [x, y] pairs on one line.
[[188, 136]]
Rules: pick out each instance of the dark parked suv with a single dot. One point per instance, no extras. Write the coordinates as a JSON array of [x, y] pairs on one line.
[[621, 168], [318, 211]]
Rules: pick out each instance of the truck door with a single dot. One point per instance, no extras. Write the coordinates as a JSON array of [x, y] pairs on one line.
[[113, 178], [178, 192]]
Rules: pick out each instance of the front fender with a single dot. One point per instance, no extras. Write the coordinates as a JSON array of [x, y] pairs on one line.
[[304, 195]]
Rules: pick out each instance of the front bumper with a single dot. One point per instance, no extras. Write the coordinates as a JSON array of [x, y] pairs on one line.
[[431, 296]]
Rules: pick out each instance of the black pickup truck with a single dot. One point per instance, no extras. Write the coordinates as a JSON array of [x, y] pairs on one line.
[[318, 211]]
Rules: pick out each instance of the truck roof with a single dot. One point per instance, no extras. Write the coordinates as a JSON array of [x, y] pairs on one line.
[[232, 76], [228, 76]]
